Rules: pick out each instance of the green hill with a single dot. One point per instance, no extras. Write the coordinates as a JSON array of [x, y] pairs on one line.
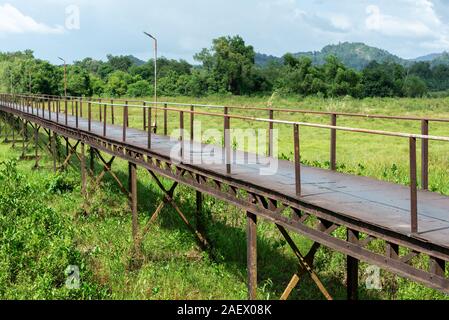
[[355, 55]]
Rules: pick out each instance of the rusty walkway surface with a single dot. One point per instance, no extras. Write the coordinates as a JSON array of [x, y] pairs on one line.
[[383, 204]]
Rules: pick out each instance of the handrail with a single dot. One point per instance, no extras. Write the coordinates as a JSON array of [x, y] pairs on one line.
[[275, 109], [24, 103]]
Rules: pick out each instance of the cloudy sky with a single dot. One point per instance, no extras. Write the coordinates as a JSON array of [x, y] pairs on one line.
[[52, 28]]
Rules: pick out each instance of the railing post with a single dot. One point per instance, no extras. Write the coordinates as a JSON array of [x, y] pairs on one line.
[[181, 135], [425, 155], [105, 120], [89, 116], [125, 120], [165, 120], [112, 112], [58, 109], [270, 134], [99, 110], [76, 114], [150, 111], [333, 145], [297, 159], [49, 109], [227, 140], [127, 114], [413, 188], [192, 123], [66, 111], [144, 116]]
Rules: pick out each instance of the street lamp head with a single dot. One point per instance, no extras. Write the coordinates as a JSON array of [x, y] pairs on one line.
[[146, 33], [61, 59]]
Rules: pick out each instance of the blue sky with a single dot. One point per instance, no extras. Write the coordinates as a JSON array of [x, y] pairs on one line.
[[408, 28]]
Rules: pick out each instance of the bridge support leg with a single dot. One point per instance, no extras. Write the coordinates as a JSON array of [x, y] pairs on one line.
[[23, 140], [133, 185], [83, 171], [6, 131], [199, 212], [13, 133], [252, 255], [129, 176], [352, 268], [54, 140], [92, 160], [36, 147]]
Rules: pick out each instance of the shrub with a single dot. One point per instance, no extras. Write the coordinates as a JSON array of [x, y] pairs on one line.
[[36, 244]]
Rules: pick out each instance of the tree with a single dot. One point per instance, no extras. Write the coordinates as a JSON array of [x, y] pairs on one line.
[[46, 78], [121, 63], [414, 87], [230, 64], [141, 88], [117, 84], [97, 85], [383, 80], [78, 82]]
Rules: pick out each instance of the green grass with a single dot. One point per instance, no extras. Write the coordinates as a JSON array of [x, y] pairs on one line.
[[174, 267]]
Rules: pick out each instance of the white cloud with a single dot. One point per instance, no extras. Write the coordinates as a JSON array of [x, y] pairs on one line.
[[327, 23], [341, 22], [417, 20], [393, 25], [14, 21]]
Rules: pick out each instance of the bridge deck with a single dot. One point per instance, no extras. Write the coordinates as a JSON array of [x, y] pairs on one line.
[[379, 203]]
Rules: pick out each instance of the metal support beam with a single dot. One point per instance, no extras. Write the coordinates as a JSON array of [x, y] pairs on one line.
[[352, 268], [92, 160], [54, 140], [83, 171], [135, 218], [251, 234], [199, 212], [36, 147]]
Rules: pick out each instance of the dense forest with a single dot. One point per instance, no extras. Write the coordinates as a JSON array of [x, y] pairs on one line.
[[228, 67]]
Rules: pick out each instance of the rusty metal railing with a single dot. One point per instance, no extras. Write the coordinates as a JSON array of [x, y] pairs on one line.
[[38, 106], [424, 123]]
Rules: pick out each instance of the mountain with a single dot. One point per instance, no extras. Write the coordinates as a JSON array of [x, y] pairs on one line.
[[440, 59], [428, 58], [356, 55], [136, 61], [264, 59]]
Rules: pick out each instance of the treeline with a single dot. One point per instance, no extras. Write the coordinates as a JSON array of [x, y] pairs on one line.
[[228, 67]]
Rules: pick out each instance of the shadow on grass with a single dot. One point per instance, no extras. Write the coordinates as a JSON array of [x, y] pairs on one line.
[[275, 268]]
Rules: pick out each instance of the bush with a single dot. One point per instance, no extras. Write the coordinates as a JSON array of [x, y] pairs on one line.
[[36, 245], [140, 88]]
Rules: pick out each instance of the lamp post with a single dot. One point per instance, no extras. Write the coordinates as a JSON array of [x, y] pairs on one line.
[[155, 78], [65, 76]]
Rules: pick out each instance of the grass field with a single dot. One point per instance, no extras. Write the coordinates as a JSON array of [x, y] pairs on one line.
[[174, 267]]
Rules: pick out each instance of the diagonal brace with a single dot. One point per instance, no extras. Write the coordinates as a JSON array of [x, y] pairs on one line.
[[304, 266]]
